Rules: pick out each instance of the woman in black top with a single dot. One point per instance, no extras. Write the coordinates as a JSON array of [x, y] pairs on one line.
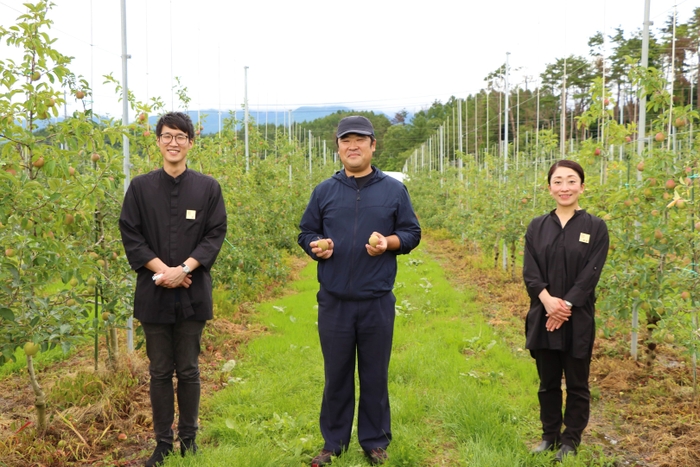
[[565, 251]]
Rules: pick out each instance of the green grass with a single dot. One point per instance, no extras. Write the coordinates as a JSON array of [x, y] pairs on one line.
[[459, 395]]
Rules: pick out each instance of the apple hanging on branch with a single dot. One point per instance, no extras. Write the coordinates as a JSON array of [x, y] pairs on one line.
[[31, 349]]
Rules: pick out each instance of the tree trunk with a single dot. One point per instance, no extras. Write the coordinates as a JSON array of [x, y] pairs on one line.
[[652, 320], [40, 398], [111, 336], [495, 253], [512, 260]]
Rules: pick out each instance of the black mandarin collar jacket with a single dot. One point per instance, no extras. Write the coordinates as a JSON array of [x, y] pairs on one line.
[[173, 219], [567, 262]]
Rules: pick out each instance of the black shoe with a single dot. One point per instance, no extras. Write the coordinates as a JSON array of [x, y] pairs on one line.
[[377, 456], [323, 458], [544, 446], [188, 445], [564, 451], [161, 452]]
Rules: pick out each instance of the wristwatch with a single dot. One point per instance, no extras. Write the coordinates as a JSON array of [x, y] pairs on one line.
[[185, 268]]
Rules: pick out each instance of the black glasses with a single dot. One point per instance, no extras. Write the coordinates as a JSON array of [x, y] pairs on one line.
[[166, 138]]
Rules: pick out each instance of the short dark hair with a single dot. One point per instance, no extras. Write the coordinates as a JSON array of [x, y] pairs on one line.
[[575, 166], [179, 120]]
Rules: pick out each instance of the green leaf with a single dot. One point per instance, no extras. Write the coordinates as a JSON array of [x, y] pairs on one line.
[[7, 314]]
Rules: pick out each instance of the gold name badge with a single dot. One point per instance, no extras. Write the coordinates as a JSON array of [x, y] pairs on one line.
[[584, 238], [191, 214]]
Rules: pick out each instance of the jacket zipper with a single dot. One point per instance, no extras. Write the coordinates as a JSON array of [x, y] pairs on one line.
[[354, 231]]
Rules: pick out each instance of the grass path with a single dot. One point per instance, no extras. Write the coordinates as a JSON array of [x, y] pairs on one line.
[[461, 395]]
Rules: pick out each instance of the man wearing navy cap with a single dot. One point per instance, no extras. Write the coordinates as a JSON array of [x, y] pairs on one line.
[[355, 301]]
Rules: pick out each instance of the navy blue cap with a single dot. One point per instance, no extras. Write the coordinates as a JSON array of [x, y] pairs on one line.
[[355, 124]]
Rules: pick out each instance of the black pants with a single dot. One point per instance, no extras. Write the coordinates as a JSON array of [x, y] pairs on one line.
[[348, 328], [174, 348], [550, 366]]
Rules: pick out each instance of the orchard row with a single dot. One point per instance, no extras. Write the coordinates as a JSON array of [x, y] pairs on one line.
[[649, 202]]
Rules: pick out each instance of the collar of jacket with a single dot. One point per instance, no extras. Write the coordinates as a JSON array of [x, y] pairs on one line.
[[166, 176], [342, 177], [555, 218]]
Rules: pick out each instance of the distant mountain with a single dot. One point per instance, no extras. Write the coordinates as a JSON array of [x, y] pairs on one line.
[[210, 117], [260, 117]]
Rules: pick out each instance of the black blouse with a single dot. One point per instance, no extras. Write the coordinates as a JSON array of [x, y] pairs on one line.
[[567, 262], [173, 219]]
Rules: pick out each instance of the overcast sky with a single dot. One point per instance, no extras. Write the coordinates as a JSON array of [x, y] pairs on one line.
[[367, 54]]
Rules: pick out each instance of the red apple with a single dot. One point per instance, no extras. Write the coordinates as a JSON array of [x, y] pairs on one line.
[[660, 137]]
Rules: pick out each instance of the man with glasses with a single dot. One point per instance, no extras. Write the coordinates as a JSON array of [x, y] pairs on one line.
[[173, 223]]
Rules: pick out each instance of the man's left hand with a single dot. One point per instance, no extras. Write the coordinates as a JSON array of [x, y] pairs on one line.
[[380, 247]]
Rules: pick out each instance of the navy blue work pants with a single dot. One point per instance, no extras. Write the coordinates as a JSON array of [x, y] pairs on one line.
[[174, 349], [364, 329], [551, 364]]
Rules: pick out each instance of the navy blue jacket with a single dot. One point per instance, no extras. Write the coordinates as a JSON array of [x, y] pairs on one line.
[[348, 216]]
